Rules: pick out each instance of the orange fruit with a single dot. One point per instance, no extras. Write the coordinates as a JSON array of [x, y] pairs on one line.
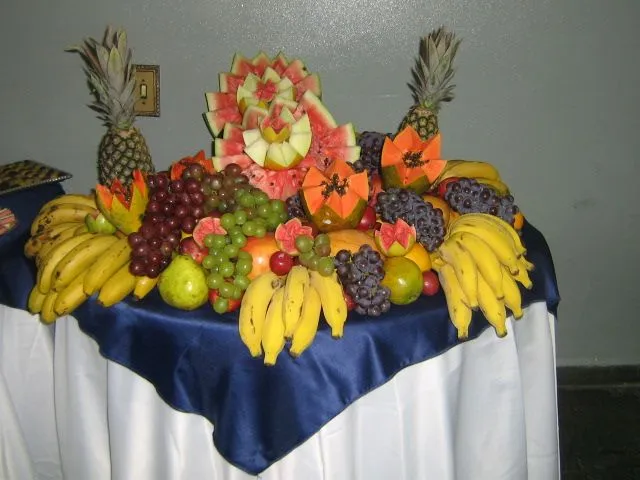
[[420, 257], [437, 202], [403, 278]]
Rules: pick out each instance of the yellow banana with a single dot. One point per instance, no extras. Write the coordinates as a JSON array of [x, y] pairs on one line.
[[512, 295], [464, 267], [294, 293], [457, 303], [499, 242], [492, 308], [523, 277], [506, 228], [307, 327], [485, 259], [144, 285], [253, 310], [49, 263], [35, 301], [334, 305], [273, 331], [496, 184], [71, 297], [106, 265], [47, 312], [117, 287], [34, 244], [469, 169], [81, 229], [61, 237], [71, 198], [79, 259], [60, 214], [526, 264]]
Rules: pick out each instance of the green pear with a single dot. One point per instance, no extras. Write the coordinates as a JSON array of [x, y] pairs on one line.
[[183, 284]]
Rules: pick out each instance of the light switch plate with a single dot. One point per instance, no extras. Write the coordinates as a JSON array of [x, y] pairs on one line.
[[148, 90]]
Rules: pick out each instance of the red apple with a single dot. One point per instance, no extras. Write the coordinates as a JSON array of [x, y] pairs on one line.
[[368, 220], [233, 304], [188, 246], [442, 186], [430, 283], [280, 263]]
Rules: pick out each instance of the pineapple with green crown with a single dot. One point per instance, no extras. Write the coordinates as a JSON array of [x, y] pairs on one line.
[[431, 85], [111, 78]]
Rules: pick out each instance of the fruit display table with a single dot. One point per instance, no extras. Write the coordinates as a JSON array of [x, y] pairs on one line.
[[145, 391]]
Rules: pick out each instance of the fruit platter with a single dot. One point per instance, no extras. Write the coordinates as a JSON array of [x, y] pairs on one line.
[[293, 221]]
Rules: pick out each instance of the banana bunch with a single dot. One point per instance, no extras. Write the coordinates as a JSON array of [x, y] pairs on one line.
[[479, 265], [483, 172], [73, 264], [277, 309]]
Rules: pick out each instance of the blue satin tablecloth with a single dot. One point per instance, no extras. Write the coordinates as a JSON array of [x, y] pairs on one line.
[[198, 364]]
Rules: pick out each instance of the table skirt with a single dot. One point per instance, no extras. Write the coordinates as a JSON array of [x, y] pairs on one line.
[[485, 409]]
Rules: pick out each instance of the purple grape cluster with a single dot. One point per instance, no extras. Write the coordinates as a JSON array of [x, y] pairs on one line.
[[371, 144], [467, 195], [406, 204], [360, 274]]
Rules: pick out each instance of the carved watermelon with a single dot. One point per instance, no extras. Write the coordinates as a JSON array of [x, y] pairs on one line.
[[124, 209], [409, 162], [256, 82], [336, 198]]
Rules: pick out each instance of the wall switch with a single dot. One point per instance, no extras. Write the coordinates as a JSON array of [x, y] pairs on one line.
[[148, 90]]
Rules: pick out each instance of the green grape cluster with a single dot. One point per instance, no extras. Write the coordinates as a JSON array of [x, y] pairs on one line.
[[228, 266], [255, 212], [315, 253]]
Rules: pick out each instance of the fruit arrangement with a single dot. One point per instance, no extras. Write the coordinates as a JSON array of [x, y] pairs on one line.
[[294, 218]]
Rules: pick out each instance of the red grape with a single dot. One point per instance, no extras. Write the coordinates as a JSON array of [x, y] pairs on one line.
[[153, 271], [163, 229], [160, 196], [154, 207], [166, 249], [173, 239], [233, 170], [184, 198], [135, 239], [137, 268], [154, 243], [188, 224], [177, 186], [154, 258], [197, 198], [280, 263], [181, 211], [197, 212], [192, 185], [141, 250], [173, 223], [147, 231], [156, 218], [167, 208], [162, 180]]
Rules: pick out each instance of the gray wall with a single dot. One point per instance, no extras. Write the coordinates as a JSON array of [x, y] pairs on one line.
[[547, 91]]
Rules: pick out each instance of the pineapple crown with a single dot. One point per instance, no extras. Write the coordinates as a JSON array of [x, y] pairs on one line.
[[433, 70], [111, 77]]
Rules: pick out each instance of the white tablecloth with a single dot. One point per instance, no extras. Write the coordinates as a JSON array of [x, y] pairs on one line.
[[485, 409]]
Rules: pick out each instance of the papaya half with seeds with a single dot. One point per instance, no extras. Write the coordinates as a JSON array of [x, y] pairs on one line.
[[336, 198]]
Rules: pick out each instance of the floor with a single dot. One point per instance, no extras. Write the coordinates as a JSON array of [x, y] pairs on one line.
[[599, 414]]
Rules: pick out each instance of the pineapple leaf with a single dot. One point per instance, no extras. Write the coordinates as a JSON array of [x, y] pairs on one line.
[[125, 54], [103, 58], [115, 70]]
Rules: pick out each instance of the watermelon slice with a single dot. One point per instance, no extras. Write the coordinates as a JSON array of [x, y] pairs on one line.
[[223, 147], [310, 83], [229, 83], [295, 71], [217, 119], [233, 132], [321, 118], [219, 100], [280, 63], [241, 65]]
